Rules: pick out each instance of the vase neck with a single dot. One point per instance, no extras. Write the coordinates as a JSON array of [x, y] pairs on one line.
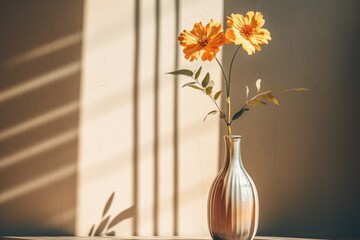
[[232, 150]]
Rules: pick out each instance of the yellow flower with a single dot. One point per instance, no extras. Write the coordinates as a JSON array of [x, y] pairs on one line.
[[202, 41], [247, 31]]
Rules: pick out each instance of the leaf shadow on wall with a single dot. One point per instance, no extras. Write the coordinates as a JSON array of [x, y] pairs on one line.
[[107, 224], [40, 71]]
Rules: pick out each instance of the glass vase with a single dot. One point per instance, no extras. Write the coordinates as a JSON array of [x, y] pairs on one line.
[[233, 204]]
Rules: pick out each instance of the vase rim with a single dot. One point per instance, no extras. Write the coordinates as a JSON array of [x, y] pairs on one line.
[[232, 136]]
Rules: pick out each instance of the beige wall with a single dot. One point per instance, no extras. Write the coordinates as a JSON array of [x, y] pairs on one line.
[[303, 155], [87, 110], [141, 137]]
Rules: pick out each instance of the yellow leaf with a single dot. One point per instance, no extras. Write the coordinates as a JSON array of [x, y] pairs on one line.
[[271, 98], [208, 90], [296, 89], [255, 102], [256, 99]]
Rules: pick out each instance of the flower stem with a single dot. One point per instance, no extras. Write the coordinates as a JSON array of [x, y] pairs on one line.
[[231, 64], [219, 109], [223, 72], [229, 129], [228, 102], [229, 120]]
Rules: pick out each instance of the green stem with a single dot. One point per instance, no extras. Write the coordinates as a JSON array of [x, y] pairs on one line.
[[231, 64], [227, 85], [229, 129], [225, 78], [223, 72], [228, 115], [217, 106], [220, 112], [228, 101]]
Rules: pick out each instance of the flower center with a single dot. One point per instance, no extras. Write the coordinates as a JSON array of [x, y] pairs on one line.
[[247, 31], [203, 42]]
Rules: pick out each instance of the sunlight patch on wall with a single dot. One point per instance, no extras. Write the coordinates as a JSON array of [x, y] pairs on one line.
[[129, 116], [56, 45], [69, 108], [198, 149], [105, 154]]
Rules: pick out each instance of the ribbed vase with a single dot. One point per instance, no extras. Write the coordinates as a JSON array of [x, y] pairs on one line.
[[233, 204]]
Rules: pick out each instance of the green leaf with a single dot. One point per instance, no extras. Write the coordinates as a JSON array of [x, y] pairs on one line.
[[108, 204], [185, 72], [189, 83], [91, 230], [210, 113], [194, 87], [206, 80], [271, 98], [217, 95], [198, 73], [208, 90], [102, 226], [239, 113]]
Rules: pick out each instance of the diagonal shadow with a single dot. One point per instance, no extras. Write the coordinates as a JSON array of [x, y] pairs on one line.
[[40, 72]]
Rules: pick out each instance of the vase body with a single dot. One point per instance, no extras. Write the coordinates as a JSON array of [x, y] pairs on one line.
[[233, 204]]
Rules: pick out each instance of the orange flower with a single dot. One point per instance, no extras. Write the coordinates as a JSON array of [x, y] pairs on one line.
[[247, 31], [202, 41]]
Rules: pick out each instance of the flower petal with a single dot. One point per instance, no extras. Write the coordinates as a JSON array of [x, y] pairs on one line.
[[202, 41], [247, 31], [247, 46]]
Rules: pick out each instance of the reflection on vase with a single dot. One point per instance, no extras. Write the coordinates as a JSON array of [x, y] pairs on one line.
[[233, 205]]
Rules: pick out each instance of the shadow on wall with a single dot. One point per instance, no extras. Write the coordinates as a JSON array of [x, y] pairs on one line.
[[40, 70], [303, 155], [108, 223]]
